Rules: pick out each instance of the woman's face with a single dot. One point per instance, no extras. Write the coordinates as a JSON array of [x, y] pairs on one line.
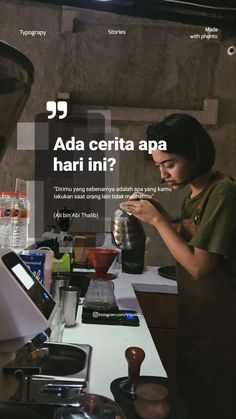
[[174, 169]]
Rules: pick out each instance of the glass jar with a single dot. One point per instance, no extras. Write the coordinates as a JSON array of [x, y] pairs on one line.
[[100, 295]]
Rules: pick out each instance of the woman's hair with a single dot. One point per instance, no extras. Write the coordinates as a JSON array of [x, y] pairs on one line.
[[185, 136]]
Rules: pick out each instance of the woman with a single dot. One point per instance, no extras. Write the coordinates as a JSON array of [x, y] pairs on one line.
[[203, 244]]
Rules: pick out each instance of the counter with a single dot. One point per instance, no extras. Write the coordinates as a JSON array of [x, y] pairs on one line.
[[110, 342]]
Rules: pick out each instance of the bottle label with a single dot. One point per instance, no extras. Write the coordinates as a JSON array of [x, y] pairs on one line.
[[23, 213], [20, 213], [6, 213], [15, 212]]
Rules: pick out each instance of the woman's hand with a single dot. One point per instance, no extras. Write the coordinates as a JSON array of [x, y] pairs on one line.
[[143, 210], [147, 213]]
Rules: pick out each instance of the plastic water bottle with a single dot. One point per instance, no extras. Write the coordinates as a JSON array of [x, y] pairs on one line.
[[7, 202], [21, 222]]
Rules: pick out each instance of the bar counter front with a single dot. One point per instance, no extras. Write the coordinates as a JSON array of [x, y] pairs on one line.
[[109, 342]]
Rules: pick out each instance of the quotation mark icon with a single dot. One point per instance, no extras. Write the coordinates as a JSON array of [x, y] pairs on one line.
[[53, 107]]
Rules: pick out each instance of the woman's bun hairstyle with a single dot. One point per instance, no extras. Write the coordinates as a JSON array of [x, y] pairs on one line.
[[185, 136]]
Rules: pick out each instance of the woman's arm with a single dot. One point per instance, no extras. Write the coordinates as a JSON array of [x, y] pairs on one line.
[[196, 261]]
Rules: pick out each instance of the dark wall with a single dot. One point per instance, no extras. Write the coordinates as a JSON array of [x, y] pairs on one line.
[[154, 65]]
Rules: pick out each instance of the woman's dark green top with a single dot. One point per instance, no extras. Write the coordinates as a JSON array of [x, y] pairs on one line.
[[217, 228]]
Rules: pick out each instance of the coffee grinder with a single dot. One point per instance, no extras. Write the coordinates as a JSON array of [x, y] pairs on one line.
[[60, 241]]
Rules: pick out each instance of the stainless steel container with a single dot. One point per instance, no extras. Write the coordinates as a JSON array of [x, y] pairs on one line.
[[69, 300]]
